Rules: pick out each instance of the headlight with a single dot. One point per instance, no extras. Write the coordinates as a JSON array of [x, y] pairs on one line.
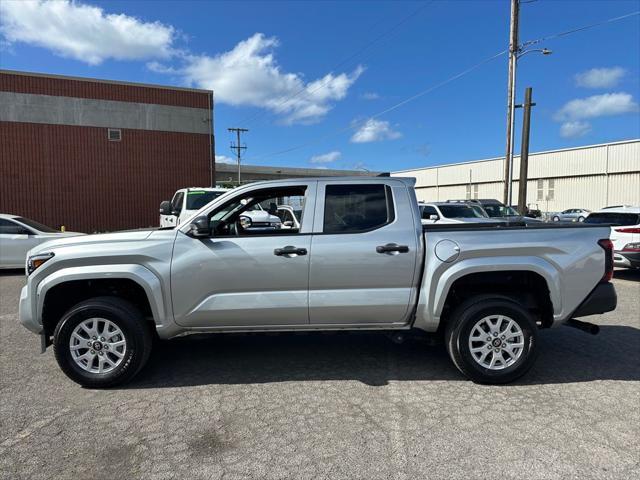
[[35, 261]]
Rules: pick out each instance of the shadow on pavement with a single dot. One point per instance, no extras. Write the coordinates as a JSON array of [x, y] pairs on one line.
[[566, 356], [627, 274], [12, 272]]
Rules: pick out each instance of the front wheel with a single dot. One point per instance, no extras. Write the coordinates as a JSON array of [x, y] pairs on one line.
[[556, 219], [581, 219], [492, 340], [102, 342]]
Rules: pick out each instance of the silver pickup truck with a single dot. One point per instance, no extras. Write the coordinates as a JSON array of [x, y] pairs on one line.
[[360, 260]]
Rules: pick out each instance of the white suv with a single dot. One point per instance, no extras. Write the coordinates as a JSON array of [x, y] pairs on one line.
[[453, 212], [625, 233]]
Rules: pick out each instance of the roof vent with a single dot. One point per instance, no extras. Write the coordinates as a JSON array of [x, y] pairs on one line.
[[114, 135]]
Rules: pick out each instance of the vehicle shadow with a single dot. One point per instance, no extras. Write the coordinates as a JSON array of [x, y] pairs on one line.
[[627, 274], [566, 356], [12, 272]]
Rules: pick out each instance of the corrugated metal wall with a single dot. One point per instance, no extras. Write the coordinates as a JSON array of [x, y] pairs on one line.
[[590, 177], [74, 176]]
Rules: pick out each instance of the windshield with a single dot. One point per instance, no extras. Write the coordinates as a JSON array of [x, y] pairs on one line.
[[196, 199], [613, 218], [500, 211], [38, 226], [459, 211]]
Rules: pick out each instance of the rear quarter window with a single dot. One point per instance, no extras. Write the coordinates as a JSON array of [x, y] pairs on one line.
[[613, 218], [357, 208]]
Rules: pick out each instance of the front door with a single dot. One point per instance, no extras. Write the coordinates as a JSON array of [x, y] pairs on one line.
[[363, 254], [244, 277]]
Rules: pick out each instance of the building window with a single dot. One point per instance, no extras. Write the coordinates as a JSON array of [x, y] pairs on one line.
[[114, 134], [540, 190], [468, 191], [475, 191], [550, 189]]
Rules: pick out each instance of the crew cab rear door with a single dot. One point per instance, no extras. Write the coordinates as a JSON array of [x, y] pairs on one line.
[[364, 253]]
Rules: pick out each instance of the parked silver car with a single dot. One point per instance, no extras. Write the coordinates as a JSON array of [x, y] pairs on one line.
[[18, 235], [571, 215]]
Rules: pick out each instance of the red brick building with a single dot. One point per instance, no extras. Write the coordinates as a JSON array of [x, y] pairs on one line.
[[96, 155]]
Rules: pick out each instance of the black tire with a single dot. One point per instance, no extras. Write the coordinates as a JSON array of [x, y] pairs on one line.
[[461, 324], [137, 333]]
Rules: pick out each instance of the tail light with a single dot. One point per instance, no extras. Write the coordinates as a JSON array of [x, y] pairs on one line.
[[628, 230], [607, 246]]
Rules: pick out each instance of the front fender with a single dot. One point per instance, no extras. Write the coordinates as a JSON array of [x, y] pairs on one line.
[[437, 283], [137, 273]]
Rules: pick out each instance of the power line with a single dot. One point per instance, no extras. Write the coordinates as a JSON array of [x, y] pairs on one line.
[[390, 109], [254, 117], [580, 29], [443, 83]]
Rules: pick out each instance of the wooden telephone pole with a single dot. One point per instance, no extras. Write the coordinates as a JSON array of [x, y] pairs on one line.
[[511, 85], [238, 147], [524, 152]]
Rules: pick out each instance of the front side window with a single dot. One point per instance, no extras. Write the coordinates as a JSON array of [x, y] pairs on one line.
[[357, 208], [176, 203], [427, 211], [8, 227], [36, 225], [256, 212]]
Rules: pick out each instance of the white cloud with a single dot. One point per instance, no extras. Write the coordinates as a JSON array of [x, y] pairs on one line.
[[606, 104], [225, 159], [374, 131], [600, 77], [370, 96], [83, 32], [574, 129], [326, 157], [249, 74]]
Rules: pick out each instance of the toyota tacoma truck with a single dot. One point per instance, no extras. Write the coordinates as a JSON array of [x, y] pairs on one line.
[[359, 260]]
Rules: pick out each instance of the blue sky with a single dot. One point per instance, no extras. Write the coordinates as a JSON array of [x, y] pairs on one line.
[[310, 78]]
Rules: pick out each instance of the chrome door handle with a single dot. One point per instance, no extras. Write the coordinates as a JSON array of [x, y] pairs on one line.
[[392, 247], [289, 250]]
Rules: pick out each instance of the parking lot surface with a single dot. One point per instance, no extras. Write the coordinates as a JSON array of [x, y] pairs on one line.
[[326, 406]]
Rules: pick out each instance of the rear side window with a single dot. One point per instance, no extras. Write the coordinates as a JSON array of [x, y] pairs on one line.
[[357, 208], [613, 218]]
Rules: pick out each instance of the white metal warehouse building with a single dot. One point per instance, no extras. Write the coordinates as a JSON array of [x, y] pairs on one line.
[[590, 177]]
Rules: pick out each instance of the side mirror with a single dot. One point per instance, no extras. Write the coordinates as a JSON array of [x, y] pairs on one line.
[[200, 227], [434, 217], [165, 208], [245, 222], [288, 223]]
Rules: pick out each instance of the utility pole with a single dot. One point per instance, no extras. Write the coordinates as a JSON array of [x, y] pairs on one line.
[[238, 147], [524, 152], [513, 59]]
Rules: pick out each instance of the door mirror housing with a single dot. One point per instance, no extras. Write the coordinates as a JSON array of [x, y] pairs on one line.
[[288, 223], [165, 208], [199, 227], [434, 217]]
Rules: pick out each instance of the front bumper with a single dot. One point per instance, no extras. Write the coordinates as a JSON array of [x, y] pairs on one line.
[[602, 299], [626, 259], [25, 312]]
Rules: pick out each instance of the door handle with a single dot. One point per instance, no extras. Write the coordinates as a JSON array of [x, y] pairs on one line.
[[392, 247], [289, 250]]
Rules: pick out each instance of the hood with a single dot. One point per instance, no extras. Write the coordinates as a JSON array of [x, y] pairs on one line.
[[69, 239]]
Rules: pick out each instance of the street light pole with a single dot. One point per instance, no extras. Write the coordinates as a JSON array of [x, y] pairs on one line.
[[513, 59]]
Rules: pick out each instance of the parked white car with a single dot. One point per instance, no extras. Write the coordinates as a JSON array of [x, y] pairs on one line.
[[453, 212], [18, 235], [625, 233], [571, 215], [187, 201]]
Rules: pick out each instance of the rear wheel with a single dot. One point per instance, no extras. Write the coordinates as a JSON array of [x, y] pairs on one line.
[[491, 340], [102, 342], [581, 219], [556, 219]]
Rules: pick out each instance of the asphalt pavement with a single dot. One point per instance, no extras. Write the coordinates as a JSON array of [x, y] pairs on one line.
[[332, 406]]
